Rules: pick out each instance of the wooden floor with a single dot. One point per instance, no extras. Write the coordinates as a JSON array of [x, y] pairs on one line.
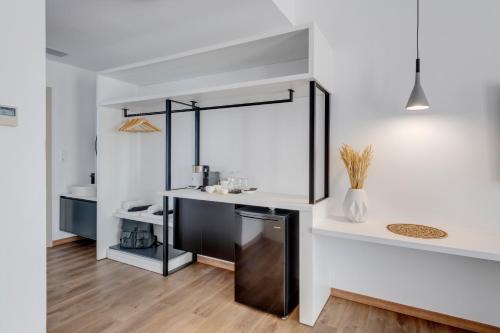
[[85, 295]]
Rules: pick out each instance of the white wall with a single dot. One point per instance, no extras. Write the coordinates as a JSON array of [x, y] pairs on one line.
[[266, 144], [22, 168], [73, 131], [439, 167]]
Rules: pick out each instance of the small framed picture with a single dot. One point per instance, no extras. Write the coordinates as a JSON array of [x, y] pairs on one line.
[[8, 115]]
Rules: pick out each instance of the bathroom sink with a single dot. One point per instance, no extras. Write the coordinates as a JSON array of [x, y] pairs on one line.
[[89, 190]]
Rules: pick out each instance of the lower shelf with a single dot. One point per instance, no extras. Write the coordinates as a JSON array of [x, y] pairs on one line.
[[152, 252], [150, 259]]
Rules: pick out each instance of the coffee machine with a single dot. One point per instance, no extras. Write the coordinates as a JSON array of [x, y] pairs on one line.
[[200, 176]]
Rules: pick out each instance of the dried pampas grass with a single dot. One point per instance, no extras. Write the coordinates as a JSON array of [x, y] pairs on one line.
[[356, 164]]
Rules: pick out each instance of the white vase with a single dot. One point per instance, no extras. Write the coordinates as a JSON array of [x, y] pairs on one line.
[[356, 205]]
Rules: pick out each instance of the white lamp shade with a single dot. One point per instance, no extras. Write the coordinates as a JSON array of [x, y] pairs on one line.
[[417, 100]]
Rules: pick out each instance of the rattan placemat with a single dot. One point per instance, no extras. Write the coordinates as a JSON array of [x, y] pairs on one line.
[[416, 231]]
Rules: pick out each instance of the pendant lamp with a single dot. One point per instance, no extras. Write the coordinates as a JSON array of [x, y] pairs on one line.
[[417, 100]]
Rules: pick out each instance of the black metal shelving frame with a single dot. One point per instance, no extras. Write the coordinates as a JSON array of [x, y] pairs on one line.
[[193, 107]]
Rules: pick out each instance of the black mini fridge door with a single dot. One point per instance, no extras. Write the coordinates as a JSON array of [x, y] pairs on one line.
[[260, 263]]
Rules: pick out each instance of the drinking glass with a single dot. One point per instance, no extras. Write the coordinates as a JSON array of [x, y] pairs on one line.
[[236, 184], [244, 183]]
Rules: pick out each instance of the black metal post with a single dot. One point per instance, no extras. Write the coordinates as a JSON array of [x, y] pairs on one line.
[[196, 147], [312, 137], [168, 183], [196, 134], [327, 144]]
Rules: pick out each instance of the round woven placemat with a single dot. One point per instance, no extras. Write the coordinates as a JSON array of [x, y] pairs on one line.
[[416, 231]]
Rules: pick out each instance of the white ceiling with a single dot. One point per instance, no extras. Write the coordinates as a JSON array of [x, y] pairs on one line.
[[101, 34]]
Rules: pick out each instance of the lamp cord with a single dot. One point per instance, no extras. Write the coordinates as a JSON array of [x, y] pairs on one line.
[[418, 25]]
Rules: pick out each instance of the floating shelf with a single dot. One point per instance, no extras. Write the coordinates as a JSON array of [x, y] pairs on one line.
[[460, 241]]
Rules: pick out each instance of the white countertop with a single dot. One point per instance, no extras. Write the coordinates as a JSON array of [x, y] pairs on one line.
[[68, 195], [460, 241], [264, 199]]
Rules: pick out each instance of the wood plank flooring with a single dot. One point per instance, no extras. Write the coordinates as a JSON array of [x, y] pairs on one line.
[[85, 295]]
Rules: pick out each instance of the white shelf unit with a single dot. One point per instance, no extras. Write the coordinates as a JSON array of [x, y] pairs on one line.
[[265, 65], [156, 221], [148, 259], [131, 166]]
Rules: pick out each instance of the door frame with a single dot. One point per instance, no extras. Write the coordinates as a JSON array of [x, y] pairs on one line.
[[48, 164]]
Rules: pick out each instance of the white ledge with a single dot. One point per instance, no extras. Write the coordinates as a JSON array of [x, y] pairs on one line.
[[460, 241], [263, 199]]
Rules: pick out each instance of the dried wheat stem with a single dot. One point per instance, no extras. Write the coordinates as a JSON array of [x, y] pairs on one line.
[[356, 164]]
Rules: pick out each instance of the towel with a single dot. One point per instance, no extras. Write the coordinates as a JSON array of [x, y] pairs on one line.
[[139, 208], [150, 215], [154, 208], [131, 204]]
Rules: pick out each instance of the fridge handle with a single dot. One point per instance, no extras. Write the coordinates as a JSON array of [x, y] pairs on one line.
[[259, 218]]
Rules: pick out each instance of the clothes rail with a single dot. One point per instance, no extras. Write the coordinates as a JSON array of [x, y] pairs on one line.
[[193, 107], [153, 113]]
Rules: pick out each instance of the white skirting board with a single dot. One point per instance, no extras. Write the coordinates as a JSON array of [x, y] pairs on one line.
[[150, 264]]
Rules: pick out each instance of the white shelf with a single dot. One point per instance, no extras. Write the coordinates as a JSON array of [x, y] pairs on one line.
[[138, 216], [148, 263], [460, 241], [247, 68], [288, 45], [238, 92], [263, 199]]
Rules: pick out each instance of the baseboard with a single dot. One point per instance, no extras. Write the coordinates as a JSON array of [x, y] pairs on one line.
[[415, 312], [216, 262], [67, 240]]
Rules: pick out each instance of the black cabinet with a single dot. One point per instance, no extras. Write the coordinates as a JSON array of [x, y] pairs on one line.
[[78, 217], [188, 225], [204, 227], [218, 230]]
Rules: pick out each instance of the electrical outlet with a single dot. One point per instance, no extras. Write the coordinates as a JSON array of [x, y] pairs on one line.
[[62, 156]]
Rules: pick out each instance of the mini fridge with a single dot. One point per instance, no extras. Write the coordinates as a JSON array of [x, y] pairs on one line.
[[267, 259]]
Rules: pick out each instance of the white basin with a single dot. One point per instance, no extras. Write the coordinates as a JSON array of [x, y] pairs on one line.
[[89, 190]]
